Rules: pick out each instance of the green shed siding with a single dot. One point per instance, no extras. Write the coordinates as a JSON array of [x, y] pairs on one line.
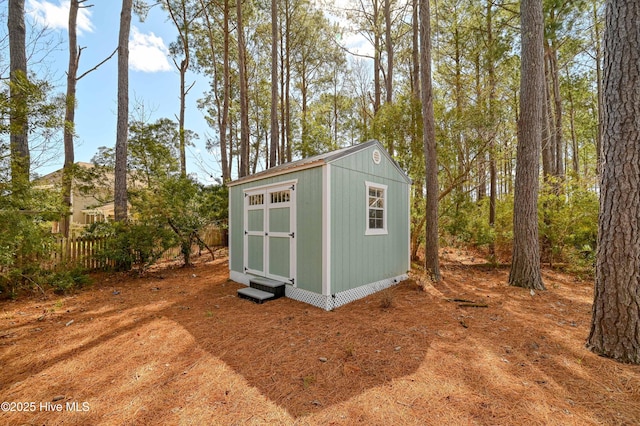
[[308, 223], [236, 229], [358, 259]]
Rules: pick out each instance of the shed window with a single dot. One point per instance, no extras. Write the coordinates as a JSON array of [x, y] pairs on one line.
[[256, 200], [280, 197], [376, 208]]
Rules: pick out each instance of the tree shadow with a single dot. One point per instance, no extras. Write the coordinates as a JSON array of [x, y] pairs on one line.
[[522, 357]]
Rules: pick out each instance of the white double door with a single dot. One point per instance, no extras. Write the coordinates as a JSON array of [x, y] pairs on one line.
[[269, 234]]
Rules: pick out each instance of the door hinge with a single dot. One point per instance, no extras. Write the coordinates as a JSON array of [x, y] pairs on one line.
[[292, 235], [293, 187], [293, 281], [246, 195], [245, 232]]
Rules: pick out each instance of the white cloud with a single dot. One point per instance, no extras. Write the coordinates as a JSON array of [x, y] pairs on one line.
[[358, 44], [148, 53], [55, 16]]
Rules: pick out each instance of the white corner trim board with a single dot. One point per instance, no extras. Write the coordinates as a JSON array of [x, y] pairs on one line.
[[239, 277], [334, 301]]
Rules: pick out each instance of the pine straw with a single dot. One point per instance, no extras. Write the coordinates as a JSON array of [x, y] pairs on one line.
[[178, 347]]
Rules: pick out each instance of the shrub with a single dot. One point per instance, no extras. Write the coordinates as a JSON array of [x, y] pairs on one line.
[[69, 279], [131, 245]]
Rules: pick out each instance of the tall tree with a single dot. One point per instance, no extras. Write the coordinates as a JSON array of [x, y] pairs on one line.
[[244, 96], [432, 262], [369, 17], [70, 110], [221, 102], [615, 324], [525, 264], [18, 119], [69, 116], [598, 63], [491, 73], [120, 181], [389, 47], [273, 150], [183, 14]]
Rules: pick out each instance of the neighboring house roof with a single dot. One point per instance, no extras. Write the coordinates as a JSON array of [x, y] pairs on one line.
[[56, 175], [317, 160]]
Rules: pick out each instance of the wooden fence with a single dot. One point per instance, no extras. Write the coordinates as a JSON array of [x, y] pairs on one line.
[[82, 251]]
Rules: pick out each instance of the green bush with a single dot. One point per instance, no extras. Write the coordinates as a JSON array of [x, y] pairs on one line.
[[568, 223], [131, 245], [25, 243], [68, 279]]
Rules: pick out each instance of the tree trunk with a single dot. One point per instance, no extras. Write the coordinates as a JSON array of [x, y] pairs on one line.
[[224, 105], [303, 95], [525, 266], [432, 263], [287, 96], [415, 51], [389, 46], [615, 324], [598, 60], [226, 165], [120, 190], [69, 119], [491, 71], [274, 84], [184, 64], [182, 22], [557, 110], [18, 119], [376, 58], [548, 152], [244, 96], [284, 42], [481, 157], [574, 138]]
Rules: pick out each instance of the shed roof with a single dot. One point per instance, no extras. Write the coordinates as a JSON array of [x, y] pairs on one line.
[[315, 161]]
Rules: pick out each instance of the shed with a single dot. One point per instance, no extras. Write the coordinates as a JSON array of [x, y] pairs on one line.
[[327, 229]]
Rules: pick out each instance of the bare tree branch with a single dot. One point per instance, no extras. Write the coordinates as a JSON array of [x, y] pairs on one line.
[[96, 67]]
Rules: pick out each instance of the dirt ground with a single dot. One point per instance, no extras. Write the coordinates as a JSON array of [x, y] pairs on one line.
[[178, 347]]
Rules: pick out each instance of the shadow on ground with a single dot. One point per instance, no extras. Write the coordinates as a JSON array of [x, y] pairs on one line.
[[178, 346]]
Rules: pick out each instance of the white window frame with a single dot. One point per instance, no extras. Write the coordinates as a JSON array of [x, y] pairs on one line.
[[376, 231]]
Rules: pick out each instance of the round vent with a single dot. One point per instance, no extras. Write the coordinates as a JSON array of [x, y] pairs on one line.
[[377, 157]]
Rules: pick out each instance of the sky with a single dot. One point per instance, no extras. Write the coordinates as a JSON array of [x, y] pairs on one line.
[[153, 77]]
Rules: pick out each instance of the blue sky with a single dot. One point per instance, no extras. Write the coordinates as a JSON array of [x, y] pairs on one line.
[[153, 78]]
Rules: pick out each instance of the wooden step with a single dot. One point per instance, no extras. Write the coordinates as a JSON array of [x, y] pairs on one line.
[[269, 286], [255, 295]]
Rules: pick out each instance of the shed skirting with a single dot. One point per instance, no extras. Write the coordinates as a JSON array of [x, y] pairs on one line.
[[333, 301]]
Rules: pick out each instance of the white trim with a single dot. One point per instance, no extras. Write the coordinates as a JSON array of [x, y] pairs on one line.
[[408, 189], [324, 159], [246, 194], [376, 156], [270, 185], [328, 302], [326, 229], [231, 230], [384, 230], [266, 190], [264, 175], [353, 294]]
